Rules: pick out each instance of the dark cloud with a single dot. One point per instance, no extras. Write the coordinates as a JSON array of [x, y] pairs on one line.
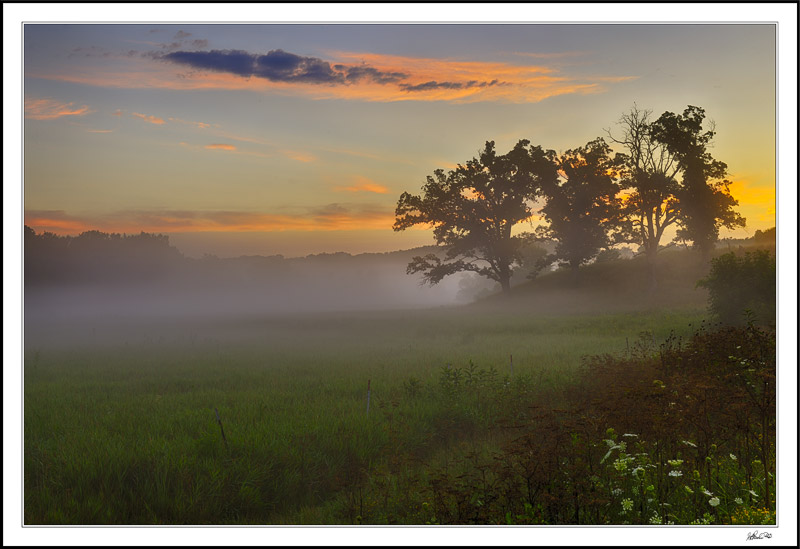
[[434, 85], [282, 66], [365, 72], [237, 62]]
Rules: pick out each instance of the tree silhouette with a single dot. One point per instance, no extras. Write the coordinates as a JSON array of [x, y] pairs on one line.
[[672, 179], [651, 204], [472, 210], [705, 200], [583, 210]]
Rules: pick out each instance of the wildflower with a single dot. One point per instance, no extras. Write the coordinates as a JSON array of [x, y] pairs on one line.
[[675, 473], [621, 465], [706, 492], [674, 462], [630, 435], [616, 491], [732, 457], [690, 443], [688, 490], [738, 501], [754, 494], [627, 505], [622, 446], [638, 472], [655, 519], [713, 502]]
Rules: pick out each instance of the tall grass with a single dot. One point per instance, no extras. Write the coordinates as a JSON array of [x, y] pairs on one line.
[[126, 433]]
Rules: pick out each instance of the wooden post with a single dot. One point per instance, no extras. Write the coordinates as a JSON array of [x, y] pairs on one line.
[[221, 430], [369, 381]]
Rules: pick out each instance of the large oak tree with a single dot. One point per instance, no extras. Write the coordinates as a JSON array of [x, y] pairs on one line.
[[473, 209], [582, 208], [704, 195]]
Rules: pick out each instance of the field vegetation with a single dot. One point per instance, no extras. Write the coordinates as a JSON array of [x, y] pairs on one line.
[[566, 402]]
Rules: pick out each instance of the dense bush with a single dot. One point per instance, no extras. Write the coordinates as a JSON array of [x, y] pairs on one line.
[[737, 284]]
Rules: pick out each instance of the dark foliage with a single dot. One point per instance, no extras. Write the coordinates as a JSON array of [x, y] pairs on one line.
[[583, 209], [682, 432], [742, 287], [472, 210]]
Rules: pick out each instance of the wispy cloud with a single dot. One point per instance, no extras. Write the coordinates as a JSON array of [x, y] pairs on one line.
[[50, 109], [221, 146], [328, 217], [200, 125], [149, 118], [300, 156], [364, 184]]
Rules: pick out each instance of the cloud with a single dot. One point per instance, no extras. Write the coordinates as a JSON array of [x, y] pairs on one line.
[[433, 85], [148, 118], [363, 184], [200, 125], [364, 72], [354, 76], [180, 35], [221, 146], [100, 131], [329, 217], [282, 66], [300, 156], [49, 109]]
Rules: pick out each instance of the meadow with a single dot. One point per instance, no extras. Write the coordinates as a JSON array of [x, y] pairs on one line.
[[481, 414]]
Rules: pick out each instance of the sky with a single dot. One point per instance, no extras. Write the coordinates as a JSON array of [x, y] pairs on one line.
[[299, 138]]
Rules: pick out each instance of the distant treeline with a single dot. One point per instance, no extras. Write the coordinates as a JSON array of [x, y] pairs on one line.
[[144, 272], [94, 257], [98, 258]]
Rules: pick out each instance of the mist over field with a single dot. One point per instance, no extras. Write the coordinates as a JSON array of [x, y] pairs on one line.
[[99, 281]]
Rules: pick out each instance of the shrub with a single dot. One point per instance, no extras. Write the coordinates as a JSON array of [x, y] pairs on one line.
[[742, 288]]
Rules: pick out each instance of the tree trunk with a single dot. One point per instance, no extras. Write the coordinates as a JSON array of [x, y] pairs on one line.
[[575, 273], [652, 280], [505, 283]]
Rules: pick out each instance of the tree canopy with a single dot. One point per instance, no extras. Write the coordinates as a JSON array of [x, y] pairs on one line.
[[705, 200], [473, 209], [583, 209]]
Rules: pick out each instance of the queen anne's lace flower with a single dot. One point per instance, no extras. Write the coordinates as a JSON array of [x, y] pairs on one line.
[[627, 505]]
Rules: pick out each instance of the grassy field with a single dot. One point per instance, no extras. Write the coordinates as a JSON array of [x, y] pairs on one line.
[[120, 424]]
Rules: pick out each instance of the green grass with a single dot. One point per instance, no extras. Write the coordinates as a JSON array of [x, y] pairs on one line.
[[119, 422], [125, 433]]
